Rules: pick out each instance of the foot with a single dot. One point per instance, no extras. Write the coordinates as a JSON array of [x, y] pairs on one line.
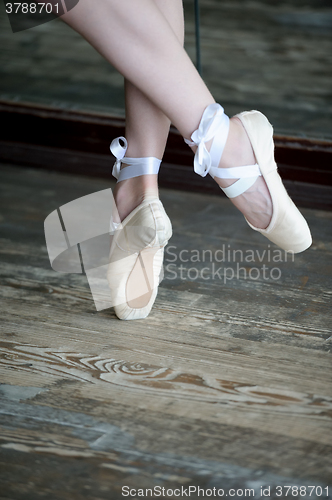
[[130, 193], [255, 203]]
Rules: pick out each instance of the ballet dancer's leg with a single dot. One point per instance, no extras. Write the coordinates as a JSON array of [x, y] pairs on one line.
[[137, 39], [147, 127]]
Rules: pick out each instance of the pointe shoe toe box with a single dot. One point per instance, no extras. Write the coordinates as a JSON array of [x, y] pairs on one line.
[[136, 260], [288, 228]]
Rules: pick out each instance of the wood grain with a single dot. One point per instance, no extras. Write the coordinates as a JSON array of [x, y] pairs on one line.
[[224, 383]]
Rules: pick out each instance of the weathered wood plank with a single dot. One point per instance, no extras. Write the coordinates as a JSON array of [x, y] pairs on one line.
[[269, 407], [228, 378], [205, 311]]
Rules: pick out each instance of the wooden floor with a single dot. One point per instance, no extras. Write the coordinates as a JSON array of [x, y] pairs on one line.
[[226, 384]]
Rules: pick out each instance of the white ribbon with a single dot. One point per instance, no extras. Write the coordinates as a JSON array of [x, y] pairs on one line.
[[118, 150], [213, 117], [236, 172]]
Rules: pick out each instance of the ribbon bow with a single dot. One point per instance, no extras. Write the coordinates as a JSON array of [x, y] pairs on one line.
[[212, 118], [118, 150]]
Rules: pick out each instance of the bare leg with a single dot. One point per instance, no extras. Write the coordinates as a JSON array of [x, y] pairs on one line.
[[136, 38], [147, 127]]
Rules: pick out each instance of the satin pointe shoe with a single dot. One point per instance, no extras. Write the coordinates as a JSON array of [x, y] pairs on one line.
[[137, 250], [288, 229]]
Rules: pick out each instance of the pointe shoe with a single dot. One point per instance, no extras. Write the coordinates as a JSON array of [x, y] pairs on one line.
[[137, 250], [288, 229]]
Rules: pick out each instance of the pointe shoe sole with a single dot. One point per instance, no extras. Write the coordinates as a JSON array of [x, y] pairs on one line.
[[134, 275], [288, 228]]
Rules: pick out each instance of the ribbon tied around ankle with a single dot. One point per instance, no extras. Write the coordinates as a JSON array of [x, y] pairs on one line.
[[118, 150], [213, 118]]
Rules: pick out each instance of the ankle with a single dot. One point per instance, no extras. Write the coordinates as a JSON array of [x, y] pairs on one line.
[[130, 193], [238, 150]]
